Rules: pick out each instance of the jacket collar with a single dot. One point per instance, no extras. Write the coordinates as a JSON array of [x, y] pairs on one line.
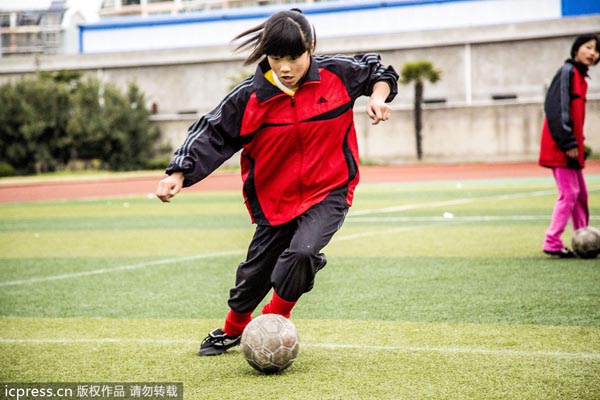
[[583, 69], [265, 90]]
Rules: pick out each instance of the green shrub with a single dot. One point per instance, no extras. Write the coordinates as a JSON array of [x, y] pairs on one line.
[[157, 163], [6, 169], [50, 121]]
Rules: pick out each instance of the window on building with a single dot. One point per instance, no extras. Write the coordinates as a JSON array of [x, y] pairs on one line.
[[52, 18], [51, 39], [31, 39], [28, 18], [4, 20], [131, 2], [5, 41]]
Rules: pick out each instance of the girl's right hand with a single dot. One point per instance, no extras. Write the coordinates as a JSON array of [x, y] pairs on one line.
[[572, 153]]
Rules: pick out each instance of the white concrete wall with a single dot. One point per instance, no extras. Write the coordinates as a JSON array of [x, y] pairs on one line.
[[519, 58], [484, 133], [506, 132]]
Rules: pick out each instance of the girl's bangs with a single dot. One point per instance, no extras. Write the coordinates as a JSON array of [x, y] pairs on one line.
[[285, 42]]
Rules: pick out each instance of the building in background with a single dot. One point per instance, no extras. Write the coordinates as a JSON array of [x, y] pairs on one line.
[[148, 25], [59, 26], [38, 27], [53, 26], [115, 8], [496, 56]]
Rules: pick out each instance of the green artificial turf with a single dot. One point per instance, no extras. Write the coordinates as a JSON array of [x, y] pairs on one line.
[[435, 290]]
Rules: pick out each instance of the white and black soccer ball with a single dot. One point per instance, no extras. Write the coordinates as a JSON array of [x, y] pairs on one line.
[[270, 343], [586, 242]]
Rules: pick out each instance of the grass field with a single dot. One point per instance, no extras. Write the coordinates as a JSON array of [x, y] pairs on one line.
[[435, 290]]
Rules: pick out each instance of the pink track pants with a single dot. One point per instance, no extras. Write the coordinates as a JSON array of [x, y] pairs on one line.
[[572, 203]]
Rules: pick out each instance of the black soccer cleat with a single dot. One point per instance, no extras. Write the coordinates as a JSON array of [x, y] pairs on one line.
[[564, 253], [217, 342]]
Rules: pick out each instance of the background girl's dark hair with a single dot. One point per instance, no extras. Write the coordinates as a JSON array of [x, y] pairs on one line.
[[580, 40], [285, 33]]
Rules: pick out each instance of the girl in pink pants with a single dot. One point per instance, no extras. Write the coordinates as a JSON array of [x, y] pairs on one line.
[[572, 203], [562, 143]]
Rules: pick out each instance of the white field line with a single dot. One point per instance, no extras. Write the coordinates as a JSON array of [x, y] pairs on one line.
[[329, 346], [468, 218], [466, 200], [460, 350], [406, 207], [120, 268], [175, 260], [100, 341], [360, 235], [351, 217]]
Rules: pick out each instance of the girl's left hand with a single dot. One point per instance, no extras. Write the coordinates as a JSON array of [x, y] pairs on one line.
[[573, 153], [378, 111]]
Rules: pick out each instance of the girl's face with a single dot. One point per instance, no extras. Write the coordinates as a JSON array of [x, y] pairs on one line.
[[289, 70], [587, 53]]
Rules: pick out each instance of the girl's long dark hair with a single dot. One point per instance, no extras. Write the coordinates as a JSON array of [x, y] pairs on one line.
[[285, 33]]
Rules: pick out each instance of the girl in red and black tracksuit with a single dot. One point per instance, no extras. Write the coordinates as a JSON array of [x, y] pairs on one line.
[[562, 143], [293, 121]]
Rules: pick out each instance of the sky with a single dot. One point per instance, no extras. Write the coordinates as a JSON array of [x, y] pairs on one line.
[[89, 8]]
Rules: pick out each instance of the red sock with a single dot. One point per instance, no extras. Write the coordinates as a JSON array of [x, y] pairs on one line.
[[277, 305], [236, 322]]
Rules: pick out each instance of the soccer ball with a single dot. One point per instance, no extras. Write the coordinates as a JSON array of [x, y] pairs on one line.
[[586, 242], [270, 343]]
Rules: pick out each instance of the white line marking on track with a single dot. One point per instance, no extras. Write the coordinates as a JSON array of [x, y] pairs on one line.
[[461, 350], [329, 346], [466, 218], [373, 233], [100, 341], [121, 268], [351, 217], [465, 200]]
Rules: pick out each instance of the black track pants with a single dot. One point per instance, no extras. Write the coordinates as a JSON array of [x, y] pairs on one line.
[[287, 257]]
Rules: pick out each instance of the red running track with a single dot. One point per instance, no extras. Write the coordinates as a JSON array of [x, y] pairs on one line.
[[17, 191]]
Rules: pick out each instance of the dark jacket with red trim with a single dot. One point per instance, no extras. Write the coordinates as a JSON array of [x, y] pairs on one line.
[[565, 114], [295, 151]]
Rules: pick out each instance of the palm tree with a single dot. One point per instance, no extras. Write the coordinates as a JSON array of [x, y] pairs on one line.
[[417, 72]]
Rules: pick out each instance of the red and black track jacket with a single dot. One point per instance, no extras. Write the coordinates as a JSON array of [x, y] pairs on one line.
[[565, 115], [295, 150]]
